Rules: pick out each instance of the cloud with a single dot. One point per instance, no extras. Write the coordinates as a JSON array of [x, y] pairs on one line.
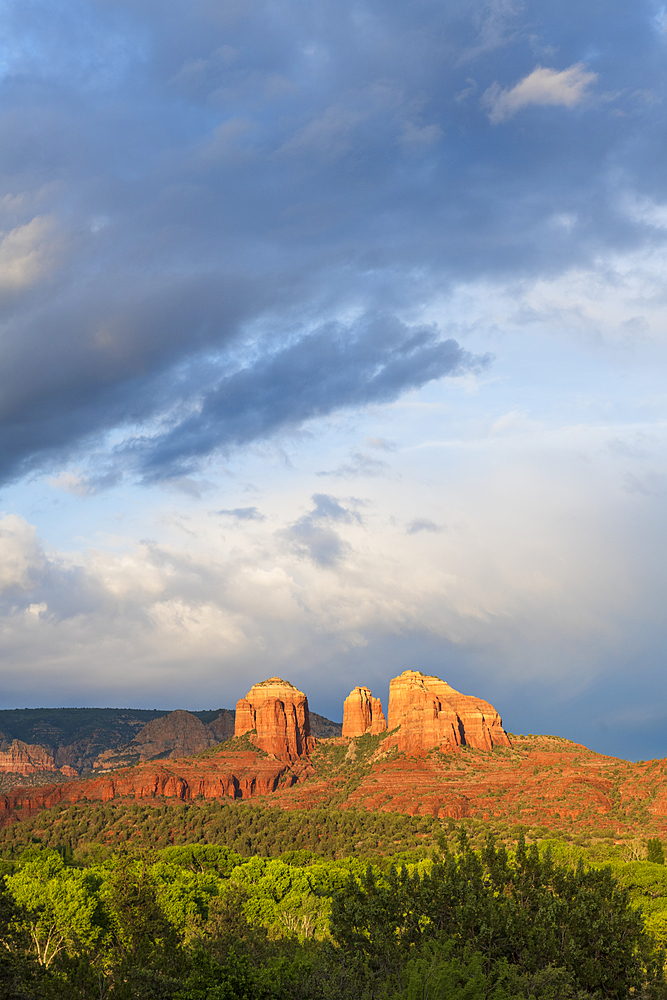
[[72, 482], [312, 534], [358, 464], [423, 524], [234, 237], [21, 555], [27, 253], [243, 514], [649, 484], [286, 231], [380, 443], [334, 367], [565, 88]]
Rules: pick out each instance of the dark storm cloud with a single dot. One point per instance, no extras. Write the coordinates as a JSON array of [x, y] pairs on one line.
[[193, 195], [332, 367]]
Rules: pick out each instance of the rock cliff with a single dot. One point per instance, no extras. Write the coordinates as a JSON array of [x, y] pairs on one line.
[[362, 713], [431, 713], [22, 758], [223, 774], [279, 713]]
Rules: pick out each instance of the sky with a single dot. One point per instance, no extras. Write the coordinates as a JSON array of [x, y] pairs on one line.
[[332, 344]]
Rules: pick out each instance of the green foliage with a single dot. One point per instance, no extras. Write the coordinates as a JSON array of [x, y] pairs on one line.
[[142, 932], [202, 858], [655, 852], [440, 974], [191, 911], [526, 911], [61, 906], [94, 829], [236, 744]]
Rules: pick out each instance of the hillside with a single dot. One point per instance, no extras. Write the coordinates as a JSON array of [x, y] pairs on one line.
[[543, 783]]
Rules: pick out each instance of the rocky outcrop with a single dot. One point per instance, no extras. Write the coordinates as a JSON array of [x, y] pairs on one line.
[[279, 713], [431, 713], [362, 713], [29, 758], [179, 734], [75, 740]]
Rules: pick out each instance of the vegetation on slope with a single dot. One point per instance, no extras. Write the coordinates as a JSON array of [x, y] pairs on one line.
[[201, 922]]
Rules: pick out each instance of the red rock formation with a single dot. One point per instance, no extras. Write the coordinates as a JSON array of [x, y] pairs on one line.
[[222, 726], [430, 713], [362, 713], [26, 758], [279, 713]]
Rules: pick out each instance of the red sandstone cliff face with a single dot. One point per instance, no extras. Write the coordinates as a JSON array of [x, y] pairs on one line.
[[431, 713], [279, 713], [29, 758], [362, 713], [241, 775]]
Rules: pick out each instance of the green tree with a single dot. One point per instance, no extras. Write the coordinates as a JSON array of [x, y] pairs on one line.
[[140, 932], [525, 911], [61, 907]]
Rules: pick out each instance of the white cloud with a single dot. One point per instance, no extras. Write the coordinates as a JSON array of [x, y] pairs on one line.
[[21, 556], [72, 482], [530, 568], [566, 88], [27, 252]]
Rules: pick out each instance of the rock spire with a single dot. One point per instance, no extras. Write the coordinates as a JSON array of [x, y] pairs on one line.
[[279, 713], [362, 713]]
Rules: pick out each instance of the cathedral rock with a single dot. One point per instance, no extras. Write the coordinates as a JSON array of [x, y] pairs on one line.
[[431, 713], [362, 713], [279, 713]]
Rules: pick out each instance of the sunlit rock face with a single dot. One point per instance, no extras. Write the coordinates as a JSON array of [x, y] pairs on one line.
[[431, 713], [18, 757], [362, 713], [279, 713]]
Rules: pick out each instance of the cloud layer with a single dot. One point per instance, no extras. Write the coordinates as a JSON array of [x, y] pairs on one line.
[[243, 201], [331, 343]]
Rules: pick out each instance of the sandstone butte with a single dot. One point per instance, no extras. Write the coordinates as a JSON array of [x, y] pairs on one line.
[[431, 713], [426, 712], [278, 712], [362, 714]]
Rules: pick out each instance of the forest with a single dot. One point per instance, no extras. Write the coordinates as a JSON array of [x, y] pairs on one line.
[[224, 901]]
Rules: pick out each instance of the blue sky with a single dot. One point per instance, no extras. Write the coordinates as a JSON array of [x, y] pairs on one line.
[[333, 344]]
